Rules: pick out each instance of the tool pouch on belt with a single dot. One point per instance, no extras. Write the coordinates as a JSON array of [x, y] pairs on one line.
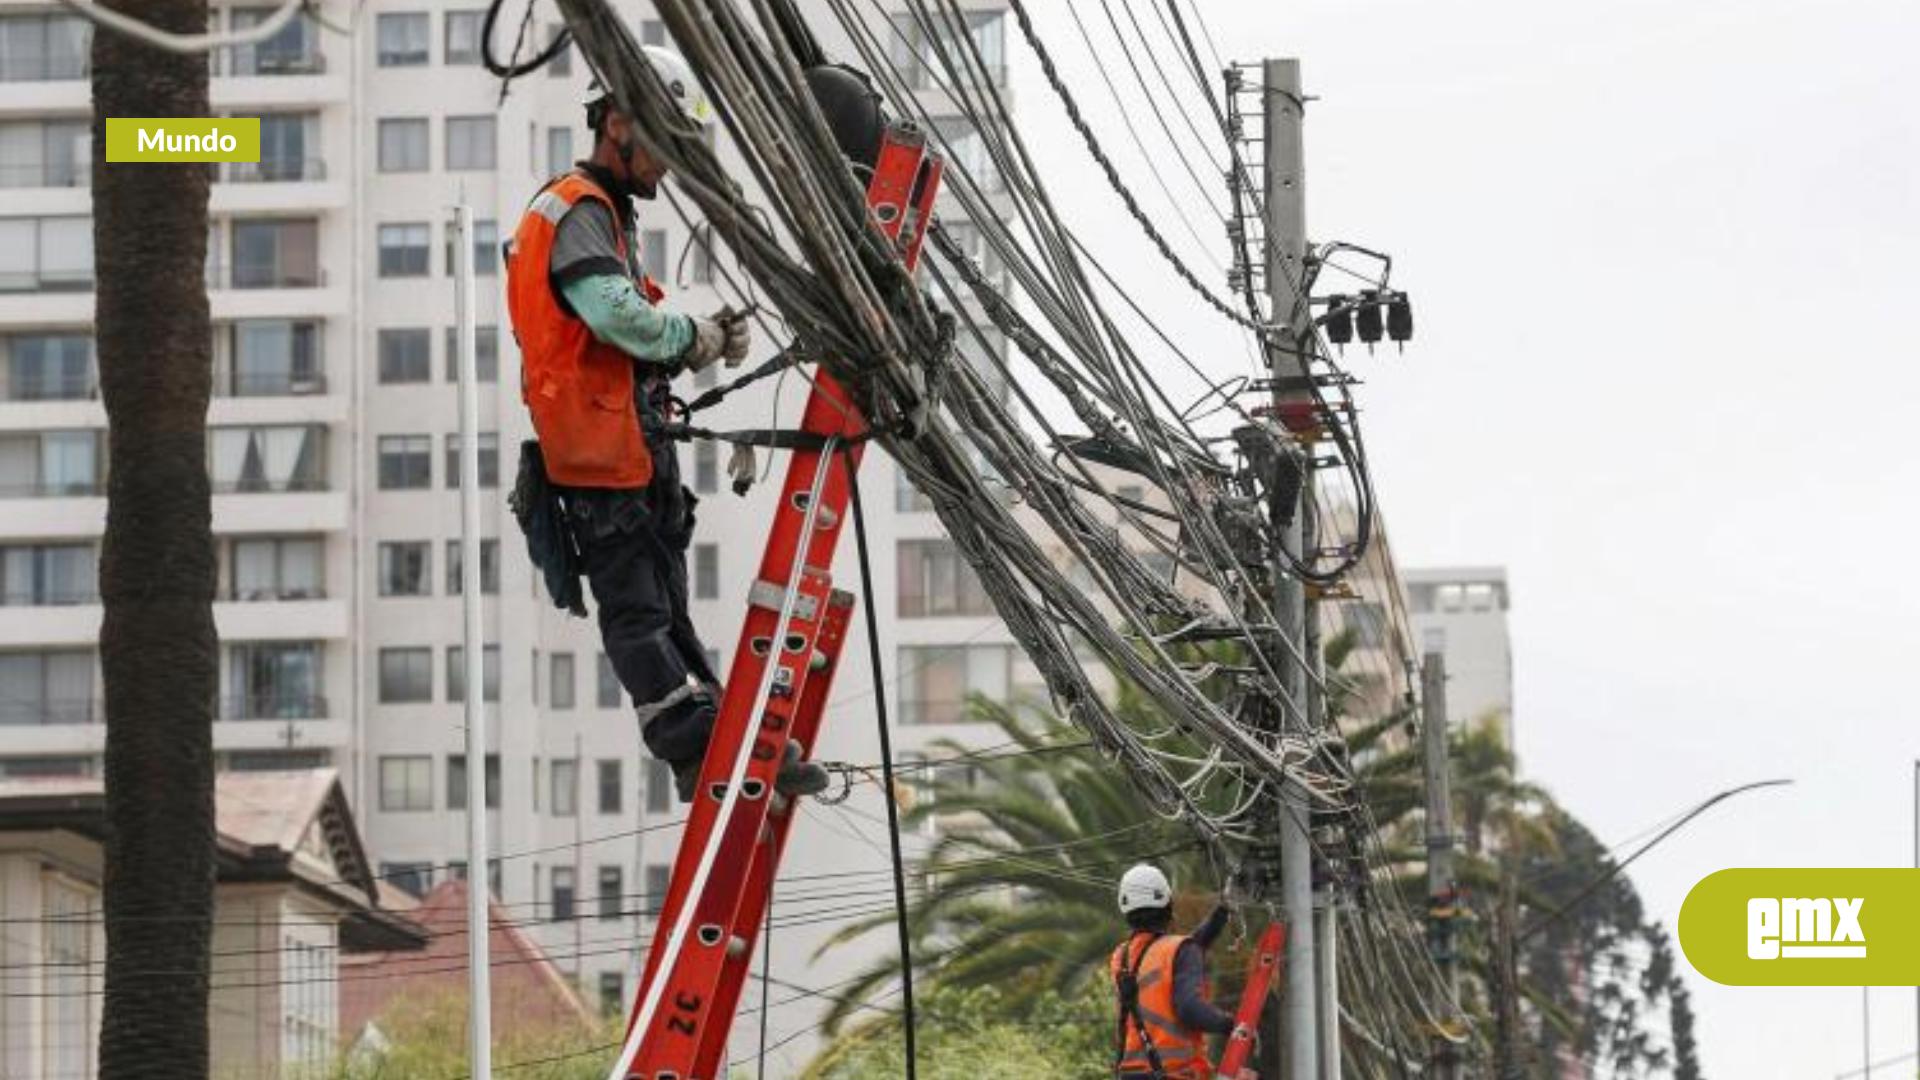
[[542, 516]]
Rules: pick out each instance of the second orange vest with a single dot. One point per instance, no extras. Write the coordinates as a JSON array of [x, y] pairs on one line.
[[1183, 1053]]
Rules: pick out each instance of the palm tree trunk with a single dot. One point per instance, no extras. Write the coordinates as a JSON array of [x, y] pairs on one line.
[[158, 649]]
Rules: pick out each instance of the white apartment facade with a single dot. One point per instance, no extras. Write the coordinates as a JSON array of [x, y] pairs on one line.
[[332, 433], [1460, 612]]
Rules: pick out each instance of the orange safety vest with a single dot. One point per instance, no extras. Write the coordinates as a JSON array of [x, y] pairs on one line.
[[578, 388], [1183, 1053]]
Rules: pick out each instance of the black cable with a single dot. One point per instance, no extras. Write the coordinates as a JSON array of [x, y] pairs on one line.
[[512, 70], [886, 756]]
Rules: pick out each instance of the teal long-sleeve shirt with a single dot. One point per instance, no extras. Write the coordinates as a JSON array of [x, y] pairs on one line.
[[620, 316]]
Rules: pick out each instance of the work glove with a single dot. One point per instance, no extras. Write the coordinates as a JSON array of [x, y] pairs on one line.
[[725, 336]]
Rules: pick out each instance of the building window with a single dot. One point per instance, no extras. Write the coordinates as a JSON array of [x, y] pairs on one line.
[[404, 568], [489, 567], [403, 144], [71, 912], [486, 251], [706, 467], [917, 53], [559, 150], [405, 354], [277, 254], [489, 443], [457, 788], [659, 880], [613, 992], [270, 358], [653, 32], [45, 153], [406, 675], [273, 680], [560, 680], [289, 457], [47, 687], [50, 463], [566, 787], [702, 255], [907, 499], [53, 254], [273, 568], [935, 580], [486, 353], [470, 142], [406, 782], [562, 64], [653, 253], [403, 249], [44, 47], [706, 571], [936, 680], [659, 786], [609, 785], [406, 462], [607, 689], [413, 877], [457, 673], [293, 50], [48, 367], [561, 883], [610, 898], [402, 38], [48, 575], [289, 150], [463, 38]]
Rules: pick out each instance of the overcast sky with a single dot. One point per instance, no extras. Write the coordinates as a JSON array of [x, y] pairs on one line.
[[1664, 374]]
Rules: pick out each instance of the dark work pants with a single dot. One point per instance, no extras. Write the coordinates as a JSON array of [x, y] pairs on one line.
[[633, 545]]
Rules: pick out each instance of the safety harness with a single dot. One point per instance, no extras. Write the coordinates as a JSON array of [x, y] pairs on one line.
[[1128, 985]]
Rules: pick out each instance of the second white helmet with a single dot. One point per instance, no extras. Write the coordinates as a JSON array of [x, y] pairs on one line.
[[1144, 886]]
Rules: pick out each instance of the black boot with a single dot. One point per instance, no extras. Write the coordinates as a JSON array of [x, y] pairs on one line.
[[797, 778]]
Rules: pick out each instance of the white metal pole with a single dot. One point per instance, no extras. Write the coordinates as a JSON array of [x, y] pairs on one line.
[[479, 997]]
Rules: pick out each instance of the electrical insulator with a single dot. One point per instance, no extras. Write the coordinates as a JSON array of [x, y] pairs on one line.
[[1339, 319], [1367, 319], [1400, 318]]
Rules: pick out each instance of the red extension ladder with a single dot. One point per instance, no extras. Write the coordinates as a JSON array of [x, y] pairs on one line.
[[776, 691]]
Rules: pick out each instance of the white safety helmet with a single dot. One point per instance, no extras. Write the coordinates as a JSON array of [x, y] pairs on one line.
[[1143, 887], [676, 74]]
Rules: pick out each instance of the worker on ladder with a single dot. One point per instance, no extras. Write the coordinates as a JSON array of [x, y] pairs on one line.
[[1161, 981], [600, 494]]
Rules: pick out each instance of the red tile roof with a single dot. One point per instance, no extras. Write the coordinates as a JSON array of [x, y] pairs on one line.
[[530, 995]]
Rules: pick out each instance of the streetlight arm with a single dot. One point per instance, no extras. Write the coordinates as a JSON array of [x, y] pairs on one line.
[[1594, 886]]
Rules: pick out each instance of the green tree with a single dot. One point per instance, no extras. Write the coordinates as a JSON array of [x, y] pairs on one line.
[[158, 649], [965, 1034]]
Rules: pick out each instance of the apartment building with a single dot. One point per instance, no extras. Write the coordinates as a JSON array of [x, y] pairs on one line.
[[1461, 613], [331, 441]]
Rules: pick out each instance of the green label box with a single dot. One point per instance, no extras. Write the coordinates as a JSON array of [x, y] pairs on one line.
[[1805, 927], [182, 138]]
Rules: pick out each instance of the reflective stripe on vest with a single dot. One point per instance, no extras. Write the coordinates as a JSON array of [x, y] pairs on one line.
[[579, 389], [1182, 1052]]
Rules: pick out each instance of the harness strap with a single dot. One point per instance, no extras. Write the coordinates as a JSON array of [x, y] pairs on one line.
[[1130, 1010]]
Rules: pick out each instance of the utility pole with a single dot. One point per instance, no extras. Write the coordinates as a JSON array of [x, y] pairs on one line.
[[1286, 251], [1441, 899]]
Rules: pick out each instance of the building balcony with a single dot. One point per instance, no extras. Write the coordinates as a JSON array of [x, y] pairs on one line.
[[51, 625], [44, 713], [283, 513], [281, 618], [255, 708], [51, 518]]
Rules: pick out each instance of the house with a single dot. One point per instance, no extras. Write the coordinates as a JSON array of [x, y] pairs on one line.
[[294, 889], [530, 995]]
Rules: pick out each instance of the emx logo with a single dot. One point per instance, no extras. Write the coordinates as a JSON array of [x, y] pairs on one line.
[[1804, 927]]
